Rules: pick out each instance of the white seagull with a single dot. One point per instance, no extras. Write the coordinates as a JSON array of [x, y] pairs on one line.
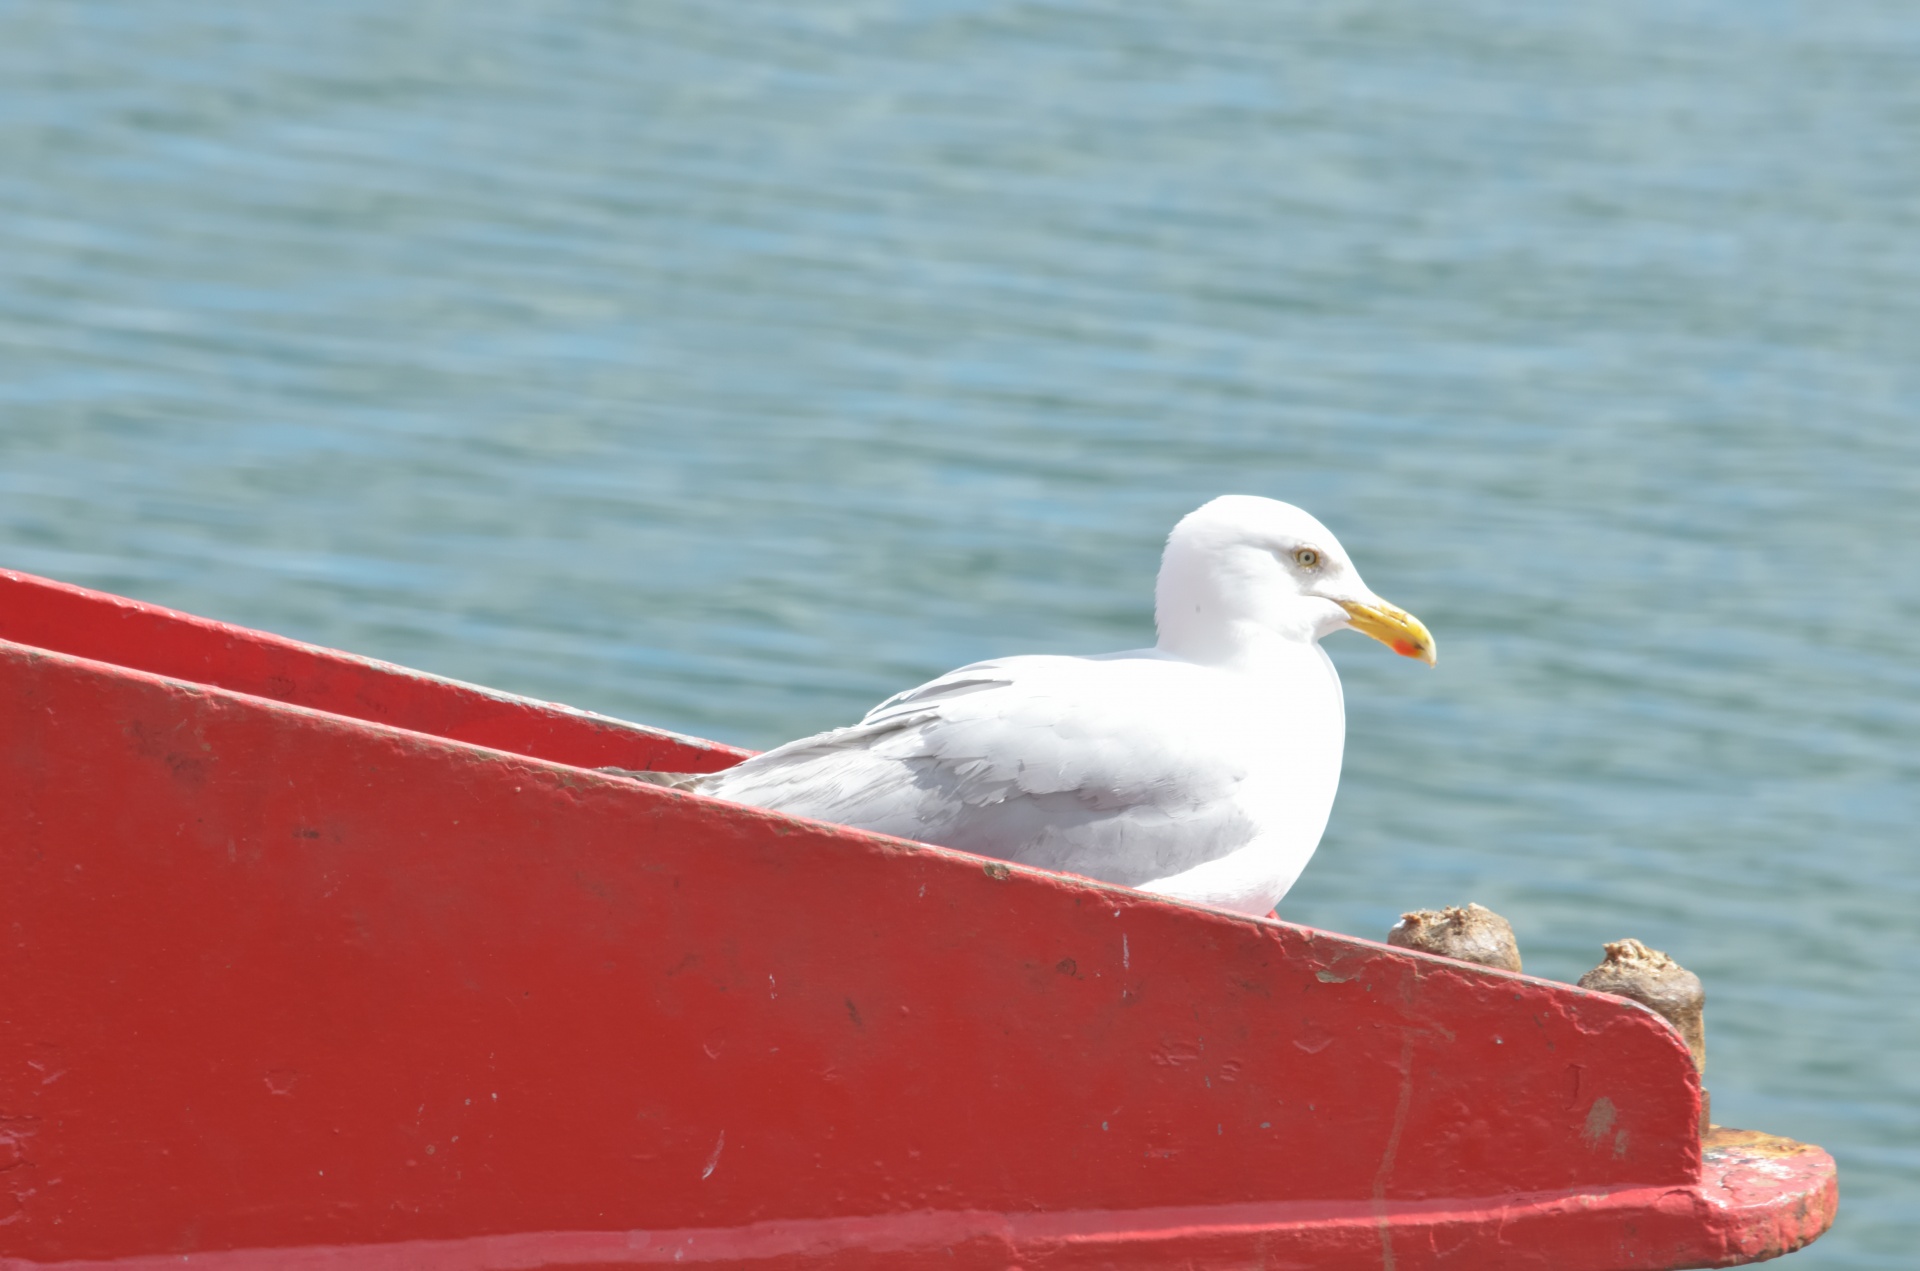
[[1203, 768]]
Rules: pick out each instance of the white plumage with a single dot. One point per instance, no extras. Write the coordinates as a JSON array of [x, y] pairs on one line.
[[1202, 768]]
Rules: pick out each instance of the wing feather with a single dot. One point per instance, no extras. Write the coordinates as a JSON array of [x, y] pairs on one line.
[[1048, 761]]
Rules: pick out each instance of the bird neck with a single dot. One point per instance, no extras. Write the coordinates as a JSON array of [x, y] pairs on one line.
[[1239, 645]]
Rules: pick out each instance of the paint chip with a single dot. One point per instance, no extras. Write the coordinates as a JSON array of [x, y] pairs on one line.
[[1600, 1120]]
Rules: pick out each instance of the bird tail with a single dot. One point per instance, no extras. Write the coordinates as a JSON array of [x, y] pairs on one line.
[[671, 780]]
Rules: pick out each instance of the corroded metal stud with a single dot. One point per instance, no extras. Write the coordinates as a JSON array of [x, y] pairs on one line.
[[1473, 934]]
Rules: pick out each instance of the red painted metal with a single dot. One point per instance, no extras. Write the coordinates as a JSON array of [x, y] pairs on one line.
[[302, 978], [143, 637]]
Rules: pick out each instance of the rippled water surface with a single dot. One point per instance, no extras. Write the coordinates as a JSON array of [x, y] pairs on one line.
[[728, 367]]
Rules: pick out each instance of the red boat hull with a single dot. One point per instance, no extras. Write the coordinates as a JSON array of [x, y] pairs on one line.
[[315, 961]]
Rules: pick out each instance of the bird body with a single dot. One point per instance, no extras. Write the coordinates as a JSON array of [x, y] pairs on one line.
[[1203, 768]]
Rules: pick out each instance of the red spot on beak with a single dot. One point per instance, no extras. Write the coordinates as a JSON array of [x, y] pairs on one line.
[[1405, 649]]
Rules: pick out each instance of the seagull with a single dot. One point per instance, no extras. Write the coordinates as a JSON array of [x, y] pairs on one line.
[[1203, 768]]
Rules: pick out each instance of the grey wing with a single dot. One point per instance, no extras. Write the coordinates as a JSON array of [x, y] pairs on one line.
[[1040, 760]]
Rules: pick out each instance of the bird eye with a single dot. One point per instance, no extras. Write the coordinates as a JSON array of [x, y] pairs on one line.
[[1307, 558]]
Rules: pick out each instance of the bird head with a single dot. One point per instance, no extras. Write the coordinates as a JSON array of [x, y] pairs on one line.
[[1240, 570]]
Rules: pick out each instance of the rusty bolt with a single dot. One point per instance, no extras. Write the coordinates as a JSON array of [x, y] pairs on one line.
[[1474, 934], [1655, 980]]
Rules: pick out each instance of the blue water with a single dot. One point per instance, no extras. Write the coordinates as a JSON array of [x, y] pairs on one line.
[[729, 367]]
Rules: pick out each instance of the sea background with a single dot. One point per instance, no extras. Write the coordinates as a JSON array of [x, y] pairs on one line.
[[728, 367]]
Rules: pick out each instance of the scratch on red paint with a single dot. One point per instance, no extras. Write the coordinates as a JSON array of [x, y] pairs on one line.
[[1393, 1148]]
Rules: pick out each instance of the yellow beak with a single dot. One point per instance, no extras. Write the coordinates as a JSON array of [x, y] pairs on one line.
[[1395, 628]]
